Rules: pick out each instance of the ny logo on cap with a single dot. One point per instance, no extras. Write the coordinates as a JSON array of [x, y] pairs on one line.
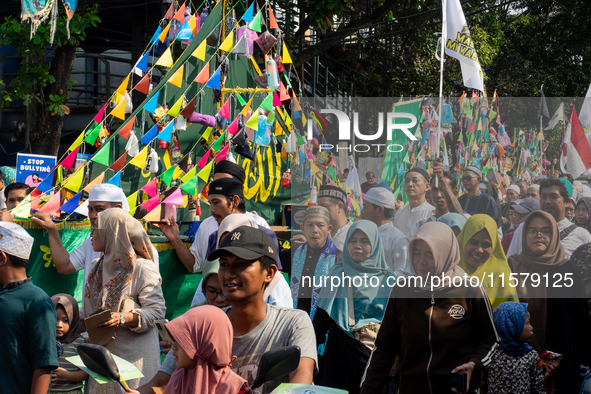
[[235, 237], [270, 250]]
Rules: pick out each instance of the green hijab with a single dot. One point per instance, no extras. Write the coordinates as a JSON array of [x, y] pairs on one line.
[[369, 300], [496, 264]]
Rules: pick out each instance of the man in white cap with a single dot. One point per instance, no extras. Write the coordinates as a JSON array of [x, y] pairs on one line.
[[100, 197], [28, 353], [379, 205]]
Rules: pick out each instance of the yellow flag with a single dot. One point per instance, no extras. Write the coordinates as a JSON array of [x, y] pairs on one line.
[[189, 175], [76, 180], [164, 33], [228, 43], [278, 129], [77, 143], [285, 58], [244, 111], [123, 87], [119, 110], [154, 214], [177, 77], [132, 200], [165, 60], [176, 108], [140, 160], [207, 133], [204, 173], [199, 53], [287, 118], [95, 181], [253, 122]]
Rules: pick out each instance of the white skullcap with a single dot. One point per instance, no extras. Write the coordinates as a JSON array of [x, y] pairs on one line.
[[104, 192], [534, 186], [515, 188], [15, 240], [381, 197]]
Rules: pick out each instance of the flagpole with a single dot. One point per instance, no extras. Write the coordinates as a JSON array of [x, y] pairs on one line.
[[441, 60]]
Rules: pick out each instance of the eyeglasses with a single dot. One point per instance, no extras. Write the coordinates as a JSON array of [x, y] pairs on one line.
[[212, 295], [569, 210], [513, 212], [468, 178], [533, 233]]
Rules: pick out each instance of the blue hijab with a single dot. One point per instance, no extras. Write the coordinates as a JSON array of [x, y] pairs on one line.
[[453, 219], [509, 318], [369, 301]]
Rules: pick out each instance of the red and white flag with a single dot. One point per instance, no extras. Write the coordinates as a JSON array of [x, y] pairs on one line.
[[576, 152]]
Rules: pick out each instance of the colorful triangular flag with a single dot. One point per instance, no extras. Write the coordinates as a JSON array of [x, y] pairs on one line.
[[272, 21], [151, 188], [150, 135], [166, 133], [95, 181], [199, 53], [176, 198], [177, 77], [165, 60], [119, 163], [176, 108], [71, 204], [99, 116], [69, 161], [204, 173], [126, 129], [75, 182], [116, 179], [228, 43], [143, 86], [93, 134], [53, 204], [285, 58], [224, 112], [180, 14], [203, 75], [215, 82], [140, 160], [187, 112], [103, 155], [256, 23], [247, 17], [151, 105], [119, 110], [123, 87]]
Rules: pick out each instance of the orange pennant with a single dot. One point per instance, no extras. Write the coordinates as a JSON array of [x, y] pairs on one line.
[[170, 11], [95, 181], [177, 77], [143, 85], [154, 214], [203, 75], [283, 95], [53, 204], [180, 14], [125, 130], [272, 21]]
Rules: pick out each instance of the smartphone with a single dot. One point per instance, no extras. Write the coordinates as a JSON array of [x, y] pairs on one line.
[[162, 331], [459, 381]]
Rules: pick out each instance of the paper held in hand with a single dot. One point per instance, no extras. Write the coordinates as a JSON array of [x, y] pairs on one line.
[[127, 370]]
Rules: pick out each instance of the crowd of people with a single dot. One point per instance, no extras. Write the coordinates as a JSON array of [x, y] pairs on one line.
[[478, 292]]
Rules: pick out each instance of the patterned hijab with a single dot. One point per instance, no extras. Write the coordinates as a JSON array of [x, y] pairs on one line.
[[9, 174], [205, 334], [509, 318], [496, 264], [123, 239], [71, 307]]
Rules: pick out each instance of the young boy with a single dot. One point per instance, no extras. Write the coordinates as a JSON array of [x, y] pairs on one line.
[[28, 353], [247, 265]]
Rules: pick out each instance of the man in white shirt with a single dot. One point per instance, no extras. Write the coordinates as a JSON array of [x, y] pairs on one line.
[[416, 184], [379, 205], [100, 197], [554, 194], [194, 257], [335, 200]]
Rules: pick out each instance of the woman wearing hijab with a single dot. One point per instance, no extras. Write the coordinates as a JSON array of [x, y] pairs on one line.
[[126, 281], [582, 213], [435, 327], [558, 307], [67, 378], [347, 317], [202, 348], [482, 255], [455, 221]]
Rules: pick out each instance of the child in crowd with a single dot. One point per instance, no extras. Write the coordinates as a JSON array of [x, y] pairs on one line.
[[67, 378], [514, 366]]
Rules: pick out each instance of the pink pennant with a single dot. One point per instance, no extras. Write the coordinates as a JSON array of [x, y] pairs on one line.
[[233, 128], [276, 101], [225, 110], [69, 161], [176, 198], [152, 202], [98, 118], [203, 162], [222, 155], [151, 188], [53, 204]]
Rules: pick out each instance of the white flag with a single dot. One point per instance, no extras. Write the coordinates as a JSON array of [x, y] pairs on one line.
[[585, 114], [558, 116], [458, 44]]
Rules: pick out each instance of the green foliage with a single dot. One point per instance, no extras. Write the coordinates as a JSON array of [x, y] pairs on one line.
[[34, 74]]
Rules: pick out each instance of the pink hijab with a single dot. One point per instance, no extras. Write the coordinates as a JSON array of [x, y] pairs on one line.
[[205, 334]]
